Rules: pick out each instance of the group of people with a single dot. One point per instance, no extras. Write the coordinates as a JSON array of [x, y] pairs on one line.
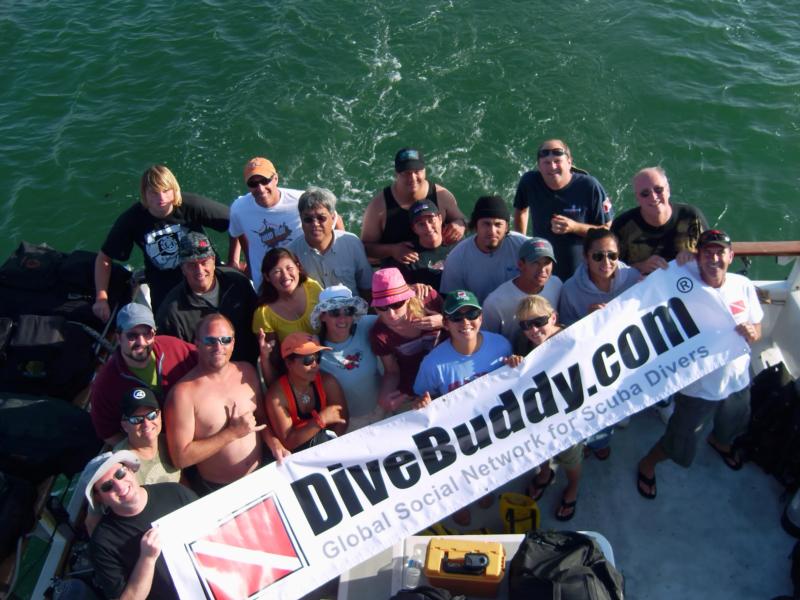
[[311, 332]]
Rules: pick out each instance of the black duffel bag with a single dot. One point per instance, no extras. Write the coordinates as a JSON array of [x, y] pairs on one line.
[[40, 437], [562, 565]]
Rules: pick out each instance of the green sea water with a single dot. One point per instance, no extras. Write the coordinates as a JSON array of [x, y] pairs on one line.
[[91, 93]]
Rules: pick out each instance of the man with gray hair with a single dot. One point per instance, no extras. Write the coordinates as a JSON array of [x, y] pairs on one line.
[[657, 231], [330, 256], [125, 548]]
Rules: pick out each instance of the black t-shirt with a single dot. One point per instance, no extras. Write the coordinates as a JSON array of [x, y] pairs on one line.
[[159, 238], [114, 547], [583, 200], [428, 269]]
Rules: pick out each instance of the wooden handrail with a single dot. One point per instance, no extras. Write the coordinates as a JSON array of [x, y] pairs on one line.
[[767, 248]]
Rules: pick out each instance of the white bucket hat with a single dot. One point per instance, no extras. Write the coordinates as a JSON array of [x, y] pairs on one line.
[[337, 296]]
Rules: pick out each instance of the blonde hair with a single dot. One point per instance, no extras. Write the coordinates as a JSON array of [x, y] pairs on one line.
[[529, 305], [415, 308], [159, 178]]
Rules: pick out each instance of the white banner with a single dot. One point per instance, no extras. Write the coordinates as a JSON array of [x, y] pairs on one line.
[[282, 531]]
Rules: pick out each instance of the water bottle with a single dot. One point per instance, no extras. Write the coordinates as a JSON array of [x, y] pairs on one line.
[[413, 569]]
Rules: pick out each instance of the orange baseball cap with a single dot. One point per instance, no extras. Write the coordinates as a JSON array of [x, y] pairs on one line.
[[259, 166], [301, 343]]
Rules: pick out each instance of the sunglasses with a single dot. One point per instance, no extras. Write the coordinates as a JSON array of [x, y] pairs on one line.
[[254, 183], [318, 218], [132, 336], [714, 235], [307, 359], [393, 306], [599, 256], [139, 419], [471, 315], [545, 152], [528, 324], [657, 189], [210, 340], [119, 475], [338, 312]]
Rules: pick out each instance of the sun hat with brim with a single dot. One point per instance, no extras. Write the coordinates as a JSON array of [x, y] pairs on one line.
[[388, 287], [301, 343], [458, 299], [337, 296], [100, 465]]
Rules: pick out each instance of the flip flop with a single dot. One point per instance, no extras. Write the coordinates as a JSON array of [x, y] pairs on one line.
[[649, 482], [536, 490], [602, 453], [568, 506], [731, 458]]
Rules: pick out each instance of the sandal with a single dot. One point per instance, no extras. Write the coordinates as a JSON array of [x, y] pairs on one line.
[[650, 482], [536, 489], [566, 506], [731, 458], [462, 517]]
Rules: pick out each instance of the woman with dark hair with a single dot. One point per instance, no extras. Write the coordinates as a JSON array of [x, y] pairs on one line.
[[286, 298], [601, 278]]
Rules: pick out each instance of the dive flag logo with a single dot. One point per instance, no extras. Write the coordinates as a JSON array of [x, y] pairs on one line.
[[248, 553], [737, 307]]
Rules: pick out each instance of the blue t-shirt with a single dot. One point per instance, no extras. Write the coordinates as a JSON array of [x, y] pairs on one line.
[[445, 369], [583, 200]]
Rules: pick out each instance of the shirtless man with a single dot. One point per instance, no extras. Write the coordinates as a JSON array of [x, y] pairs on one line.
[[215, 414], [386, 228]]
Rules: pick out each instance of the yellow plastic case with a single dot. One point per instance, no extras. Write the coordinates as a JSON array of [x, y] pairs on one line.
[[447, 554]]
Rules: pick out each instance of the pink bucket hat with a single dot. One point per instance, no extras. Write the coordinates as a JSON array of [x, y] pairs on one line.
[[388, 287]]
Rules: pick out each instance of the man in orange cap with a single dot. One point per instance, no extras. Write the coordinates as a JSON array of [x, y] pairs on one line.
[[264, 218]]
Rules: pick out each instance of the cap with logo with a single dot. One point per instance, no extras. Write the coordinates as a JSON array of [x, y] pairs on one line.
[[408, 159], [458, 299], [536, 248], [420, 208], [138, 397], [259, 166], [195, 246]]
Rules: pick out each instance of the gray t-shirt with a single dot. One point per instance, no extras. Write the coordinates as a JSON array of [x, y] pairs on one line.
[[468, 268]]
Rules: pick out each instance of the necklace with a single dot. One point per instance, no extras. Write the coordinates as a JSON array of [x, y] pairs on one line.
[[303, 399]]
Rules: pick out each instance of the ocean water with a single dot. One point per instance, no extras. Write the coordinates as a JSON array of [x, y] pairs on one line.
[[92, 93]]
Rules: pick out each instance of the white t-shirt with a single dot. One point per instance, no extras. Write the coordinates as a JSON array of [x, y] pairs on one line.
[[500, 306], [467, 268], [265, 228], [739, 295]]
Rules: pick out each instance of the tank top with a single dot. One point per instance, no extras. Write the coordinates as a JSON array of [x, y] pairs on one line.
[[398, 223], [320, 400]]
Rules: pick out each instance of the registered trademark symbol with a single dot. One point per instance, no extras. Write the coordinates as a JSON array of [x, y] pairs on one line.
[[684, 285]]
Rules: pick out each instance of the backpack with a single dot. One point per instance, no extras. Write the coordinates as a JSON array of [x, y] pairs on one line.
[[562, 565], [772, 439]]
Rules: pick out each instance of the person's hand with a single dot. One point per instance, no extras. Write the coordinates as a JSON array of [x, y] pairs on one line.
[[597, 306], [513, 361], [102, 310], [265, 346], [243, 424], [150, 545], [278, 450], [332, 415], [560, 225], [685, 256], [453, 232], [428, 322], [240, 265], [748, 332], [393, 400], [422, 401], [403, 252], [650, 264]]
